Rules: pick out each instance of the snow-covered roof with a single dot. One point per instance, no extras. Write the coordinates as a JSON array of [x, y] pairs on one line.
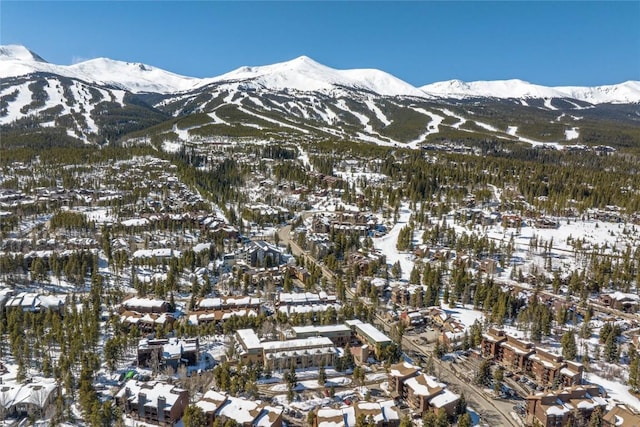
[[249, 339], [444, 399], [320, 330], [143, 302], [152, 391], [424, 385], [36, 393], [372, 333], [240, 410], [301, 343]]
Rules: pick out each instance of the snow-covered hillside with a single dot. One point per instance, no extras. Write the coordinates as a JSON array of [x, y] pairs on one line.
[[627, 92]]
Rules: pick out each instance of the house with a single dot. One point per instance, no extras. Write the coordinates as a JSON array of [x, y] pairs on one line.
[[32, 399], [145, 305], [33, 302], [172, 352], [621, 415], [249, 413], [621, 301], [378, 414], [563, 407], [153, 402], [147, 322]]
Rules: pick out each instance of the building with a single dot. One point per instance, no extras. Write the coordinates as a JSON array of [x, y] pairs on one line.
[[249, 413], [314, 351], [300, 353], [32, 399], [263, 254], [372, 336], [379, 414], [563, 407], [228, 303], [251, 347], [33, 302], [408, 295], [420, 391], [621, 415], [621, 301], [523, 357], [172, 352], [306, 302], [145, 305], [340, 335], [153, 402], [398, 374], [146, 322]]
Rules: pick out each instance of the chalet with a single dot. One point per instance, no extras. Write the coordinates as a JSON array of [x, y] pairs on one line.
[[621, 301], [412, 318], [32, 399], [147, 322], [563, 407], [621, 415], [33, 302], [379, 414], [248, 413], [145, 305], [170, 352], [153, 402]]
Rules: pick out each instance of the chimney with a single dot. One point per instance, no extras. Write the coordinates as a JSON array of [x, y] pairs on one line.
[[162, 402], [142, 399]]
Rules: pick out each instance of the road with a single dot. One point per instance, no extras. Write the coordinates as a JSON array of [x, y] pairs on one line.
[[492, 411]]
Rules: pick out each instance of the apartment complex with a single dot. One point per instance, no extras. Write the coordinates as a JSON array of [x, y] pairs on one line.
[[523, 357], [564, 407], [420, 391]]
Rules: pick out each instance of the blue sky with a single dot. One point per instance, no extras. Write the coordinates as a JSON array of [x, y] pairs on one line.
[[550, 43]]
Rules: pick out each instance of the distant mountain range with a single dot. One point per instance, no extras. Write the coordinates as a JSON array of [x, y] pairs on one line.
[[102, 100]]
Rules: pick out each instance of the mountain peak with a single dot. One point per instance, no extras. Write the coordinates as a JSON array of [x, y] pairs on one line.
[[20, 53]]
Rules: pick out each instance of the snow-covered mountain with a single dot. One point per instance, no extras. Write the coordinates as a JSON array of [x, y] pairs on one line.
[[627, 92], [102, 100], [302, 74], [306, 75], [18, 61]]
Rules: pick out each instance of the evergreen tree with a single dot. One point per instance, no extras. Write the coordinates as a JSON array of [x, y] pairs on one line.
[[465, 420], [569, 346], [610, 349], [194, 417], [596, 418], [483, 376]]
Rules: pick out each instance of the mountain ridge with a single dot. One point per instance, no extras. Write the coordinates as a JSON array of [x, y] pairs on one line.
[[301, 74]]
